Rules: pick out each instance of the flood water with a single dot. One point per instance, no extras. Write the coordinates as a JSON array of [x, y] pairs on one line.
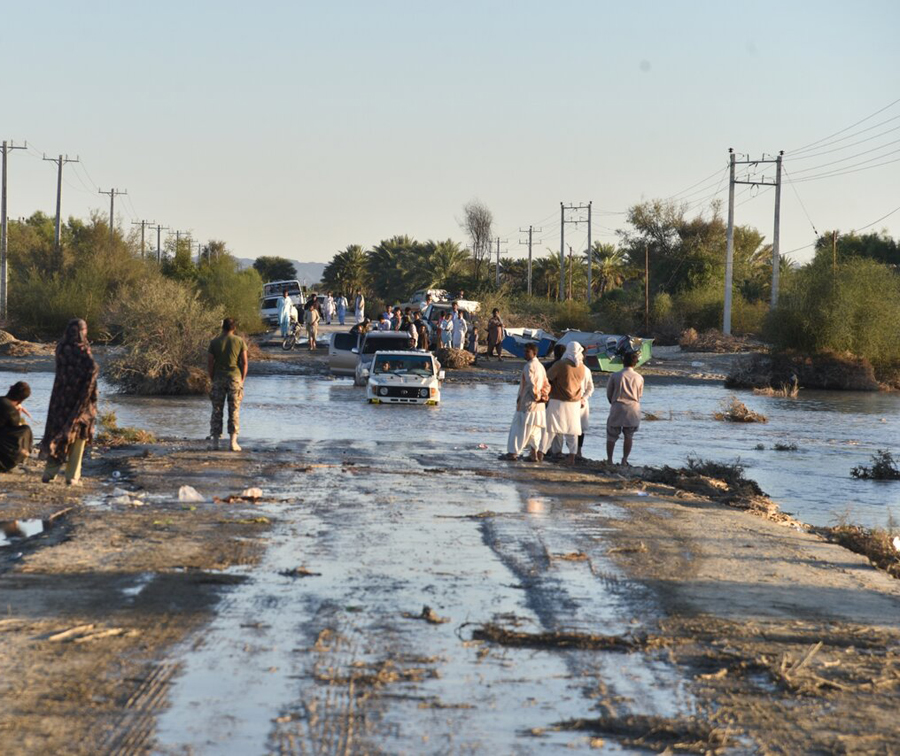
[[834, 431]]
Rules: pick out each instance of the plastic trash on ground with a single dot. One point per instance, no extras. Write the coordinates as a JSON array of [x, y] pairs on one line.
[[189, 493], [252, 493], [897, 543]]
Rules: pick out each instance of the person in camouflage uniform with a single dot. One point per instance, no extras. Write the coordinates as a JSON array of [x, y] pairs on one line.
[[227, 364]]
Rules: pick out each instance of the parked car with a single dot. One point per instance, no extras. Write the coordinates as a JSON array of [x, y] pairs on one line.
[[272, 292], [343, 353], [404, 377], [373, 342]]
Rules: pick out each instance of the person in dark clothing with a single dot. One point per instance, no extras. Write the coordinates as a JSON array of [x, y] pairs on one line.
[[422, 331], [558, 351], [16, 438], [73, 405]]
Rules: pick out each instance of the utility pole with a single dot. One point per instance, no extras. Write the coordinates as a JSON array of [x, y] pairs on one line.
[[646, 289], [590, 254], [776, 236], [113, 193], [834, 255], [143, 224], [159, 230], [571, 269], [729, 248], [60, 162], [498, 261], [562, 239], [531, 230], [4, 270]]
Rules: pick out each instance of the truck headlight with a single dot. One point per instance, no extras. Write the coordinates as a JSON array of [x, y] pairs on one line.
[[423, 392], [383, 391]]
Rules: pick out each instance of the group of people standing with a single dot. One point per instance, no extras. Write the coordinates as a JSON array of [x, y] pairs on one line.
[[553, 406]]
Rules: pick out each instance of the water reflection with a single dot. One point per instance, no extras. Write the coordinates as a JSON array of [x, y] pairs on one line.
[[15, 530]]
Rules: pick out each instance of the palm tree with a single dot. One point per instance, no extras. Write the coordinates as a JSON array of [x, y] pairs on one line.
[[440, 263], [608, 269], [347, 271], [545, 275], [391, 265]]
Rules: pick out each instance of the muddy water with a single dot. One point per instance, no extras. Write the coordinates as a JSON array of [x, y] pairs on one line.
[[834, 431], [284, 666]]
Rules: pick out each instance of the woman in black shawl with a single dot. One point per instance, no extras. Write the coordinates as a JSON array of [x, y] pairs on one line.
[[73, 405]]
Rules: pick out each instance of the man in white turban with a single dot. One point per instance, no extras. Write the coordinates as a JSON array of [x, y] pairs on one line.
[[529, 420], [564, 408]]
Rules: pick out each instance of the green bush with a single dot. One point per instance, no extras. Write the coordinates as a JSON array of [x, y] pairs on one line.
[[165, 328], [221, 283], [621, 310], [702, 308], [855, 308]]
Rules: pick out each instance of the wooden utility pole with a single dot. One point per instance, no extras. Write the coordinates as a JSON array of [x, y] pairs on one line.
[[60, 162], [113, 193], [729, 246], [571, 270], [562, 242], [159, 230], [646, 289], [143, 224], [4, 270], [834, 255]]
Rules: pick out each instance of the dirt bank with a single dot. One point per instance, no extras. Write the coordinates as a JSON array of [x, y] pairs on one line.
[[727, 627]]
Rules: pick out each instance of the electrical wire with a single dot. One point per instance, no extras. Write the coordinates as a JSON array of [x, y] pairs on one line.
[[846, 128], [844, 172], [851, 157], [846, 146], [887, 215], [805, 211]]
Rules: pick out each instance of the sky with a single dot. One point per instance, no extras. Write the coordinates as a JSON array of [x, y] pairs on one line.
[[297, 128]]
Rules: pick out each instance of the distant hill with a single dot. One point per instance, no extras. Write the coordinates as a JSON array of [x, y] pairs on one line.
[[308, 273]]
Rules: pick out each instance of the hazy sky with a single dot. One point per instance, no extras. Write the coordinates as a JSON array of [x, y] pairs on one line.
[[296, 128]]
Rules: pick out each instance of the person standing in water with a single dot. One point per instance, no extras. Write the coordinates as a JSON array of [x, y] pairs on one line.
[[73, 405], [529, 421], [564, 408], [624, 391], [227, 363]]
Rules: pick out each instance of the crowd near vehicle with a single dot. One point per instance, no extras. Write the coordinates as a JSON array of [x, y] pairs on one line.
[[272, 292], [373, 342], [432, 313], [404, 377]]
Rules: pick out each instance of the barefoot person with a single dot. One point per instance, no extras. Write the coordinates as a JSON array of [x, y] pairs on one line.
[[564, 408], [227, 364], [495, 335], [530, 418], [73, 405], [624, 391], [587, 391], [15, 435]]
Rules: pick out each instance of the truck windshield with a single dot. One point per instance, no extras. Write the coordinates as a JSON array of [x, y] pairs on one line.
[[400, 364]]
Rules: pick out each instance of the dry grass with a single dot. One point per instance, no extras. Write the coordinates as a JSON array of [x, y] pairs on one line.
[[453, 359], [112, 435], [712, 341], [735, 411], [874, 543]]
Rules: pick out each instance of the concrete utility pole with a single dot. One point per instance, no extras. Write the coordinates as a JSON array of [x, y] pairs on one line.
[[143, 224], [571, 270], [646, 289], [498, 260], [159, 230], [60, 162], [562, 239], [776, 236], [4, 271], [729, 248], [113, 193], [590, 254], [531, 230]]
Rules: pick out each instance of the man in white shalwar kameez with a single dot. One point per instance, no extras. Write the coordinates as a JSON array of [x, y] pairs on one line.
[[564, 407], [530, 418], [587, 390], [460, 327], [328, 308], [359, 306]]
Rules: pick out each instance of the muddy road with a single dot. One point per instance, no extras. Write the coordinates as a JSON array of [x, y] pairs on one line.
[[374, 603]]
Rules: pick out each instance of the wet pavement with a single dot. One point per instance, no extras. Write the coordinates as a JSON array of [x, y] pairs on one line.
[[834, 431], [339, 662]]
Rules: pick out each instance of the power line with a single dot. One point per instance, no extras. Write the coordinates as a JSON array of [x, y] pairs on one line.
[[887, 215], [847, 146], [791, 182], [851, 157], [845, 172], [846, 128]]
